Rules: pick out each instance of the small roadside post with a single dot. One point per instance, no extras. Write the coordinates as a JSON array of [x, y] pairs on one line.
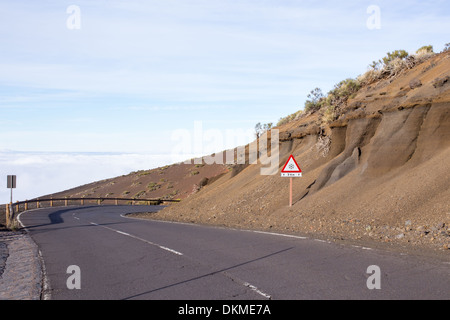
[[291, 170]]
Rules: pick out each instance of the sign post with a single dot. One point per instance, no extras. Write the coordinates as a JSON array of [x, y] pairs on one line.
[[11, 184], [291, 170]]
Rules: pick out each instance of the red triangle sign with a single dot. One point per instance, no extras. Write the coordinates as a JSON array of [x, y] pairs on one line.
[[291, 168]]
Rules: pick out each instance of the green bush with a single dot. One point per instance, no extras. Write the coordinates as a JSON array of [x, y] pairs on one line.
[[152, 186], [426, 49], [139, 194], [289, 118], [345, 88], [315, 100], [391, 56]]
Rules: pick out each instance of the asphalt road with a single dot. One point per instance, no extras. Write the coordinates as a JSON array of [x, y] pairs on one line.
[[125, 258]]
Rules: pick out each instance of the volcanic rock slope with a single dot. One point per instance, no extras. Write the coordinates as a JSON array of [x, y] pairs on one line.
[[379, 171]]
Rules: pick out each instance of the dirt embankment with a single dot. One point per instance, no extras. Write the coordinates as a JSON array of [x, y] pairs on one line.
[[379, 172], [176, 181]]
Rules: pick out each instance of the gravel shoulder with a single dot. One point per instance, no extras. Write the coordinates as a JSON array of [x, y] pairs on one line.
[[20, 268], [417, 241]]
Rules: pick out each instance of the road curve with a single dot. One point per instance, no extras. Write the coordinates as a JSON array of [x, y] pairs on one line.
[[123, 258]]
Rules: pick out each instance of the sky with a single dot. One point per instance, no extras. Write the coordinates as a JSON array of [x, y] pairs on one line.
[[93, 89]]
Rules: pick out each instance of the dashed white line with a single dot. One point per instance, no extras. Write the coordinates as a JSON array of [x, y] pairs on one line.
[[124, 233], [360, 247], [265, 295], [278, 234], [171, 250], [140, 239]]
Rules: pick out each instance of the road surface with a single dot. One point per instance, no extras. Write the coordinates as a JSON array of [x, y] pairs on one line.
[[125, 258]]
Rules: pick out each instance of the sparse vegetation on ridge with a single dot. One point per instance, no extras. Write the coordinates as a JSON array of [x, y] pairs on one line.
[[389, 66]]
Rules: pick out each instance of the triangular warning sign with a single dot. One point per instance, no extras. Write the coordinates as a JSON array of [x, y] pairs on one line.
[[291, 168]]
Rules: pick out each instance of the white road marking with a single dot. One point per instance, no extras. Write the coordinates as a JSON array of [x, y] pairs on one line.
[[46, 295], [265, 295], [140, 239], [363, 248], [124, 233], [171, 250], [278, 234]]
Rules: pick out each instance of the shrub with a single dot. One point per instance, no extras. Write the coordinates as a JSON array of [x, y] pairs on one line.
[[330, 114], [139, 194], [447, 47], [397, 54], [152, 186], [425, 49], [339, 95], [289, 118], [345, 88], [370, 76], [394, 62], [423, 54], [395, 66], [315, 99], [260, 129]]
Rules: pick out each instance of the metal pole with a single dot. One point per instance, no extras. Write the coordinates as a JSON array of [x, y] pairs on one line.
[[290, 193]]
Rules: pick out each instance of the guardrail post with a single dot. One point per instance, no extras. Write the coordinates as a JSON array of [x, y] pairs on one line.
[[65, 201], [82, 202], [17, 206], [37, 204], [51, 202], [11, 213], [26, 205], [116, 201], [7, 215]]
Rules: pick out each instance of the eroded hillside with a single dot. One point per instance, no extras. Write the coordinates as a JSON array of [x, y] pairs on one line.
[[379, 170]]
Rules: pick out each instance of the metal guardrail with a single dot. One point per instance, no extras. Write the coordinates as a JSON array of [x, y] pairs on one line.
[[20, 206]]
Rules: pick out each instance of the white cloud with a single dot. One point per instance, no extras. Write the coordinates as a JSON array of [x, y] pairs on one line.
[[40, 173]]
